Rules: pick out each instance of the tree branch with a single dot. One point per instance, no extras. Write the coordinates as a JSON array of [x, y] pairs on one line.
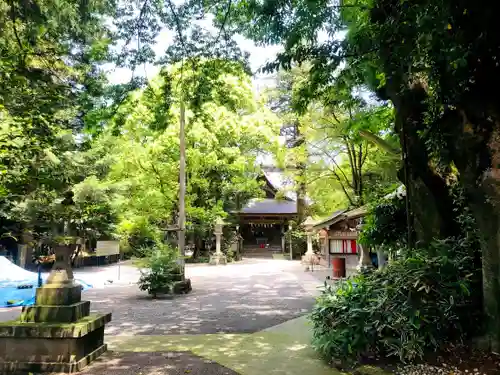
[[365, 154], [226, 17], [13, 18], [332, 158]]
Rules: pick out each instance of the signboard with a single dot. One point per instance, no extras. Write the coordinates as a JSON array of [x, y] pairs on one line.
[[107, 248], [342, 235]]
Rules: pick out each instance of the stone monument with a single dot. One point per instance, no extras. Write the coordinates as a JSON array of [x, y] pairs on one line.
[[58, 333], [218, 257], [365, 261], [309, 258]]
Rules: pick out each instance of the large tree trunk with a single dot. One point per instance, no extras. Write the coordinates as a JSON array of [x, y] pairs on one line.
[[431, 204], [476, 154]]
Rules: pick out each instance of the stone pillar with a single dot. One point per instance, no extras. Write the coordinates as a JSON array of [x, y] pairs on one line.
[[309, 257], [382, 259], [58, 333], [218, 257], [365, 262], [309, 244], [218, 237], [283, 238]]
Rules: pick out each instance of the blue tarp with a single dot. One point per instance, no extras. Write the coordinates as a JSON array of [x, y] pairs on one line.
[[18, 286]]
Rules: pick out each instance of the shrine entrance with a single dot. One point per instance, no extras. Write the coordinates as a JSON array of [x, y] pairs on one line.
[[264, 234]]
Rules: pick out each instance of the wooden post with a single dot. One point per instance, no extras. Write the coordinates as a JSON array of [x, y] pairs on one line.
[[181, 234]]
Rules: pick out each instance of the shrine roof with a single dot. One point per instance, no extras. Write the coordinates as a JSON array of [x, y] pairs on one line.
[[332, 219], [270, 206], [341, 215]]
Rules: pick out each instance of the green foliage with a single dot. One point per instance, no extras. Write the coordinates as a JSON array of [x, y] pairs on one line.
[[162, 270], [94, 212], [137, 234], [223, 138], [419, 303], [386, 225], [341, 168]]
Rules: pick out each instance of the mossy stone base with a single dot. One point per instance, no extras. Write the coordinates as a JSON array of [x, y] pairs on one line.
[[56, 314], [182, 287], [51, 347], [57, 294], [217, 259], [369, 370], [23, 368]]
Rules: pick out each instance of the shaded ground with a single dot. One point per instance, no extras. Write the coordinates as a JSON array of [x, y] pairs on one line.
[[168, 363], [224, 304], [247, 301], [280, 350], [242, 298]]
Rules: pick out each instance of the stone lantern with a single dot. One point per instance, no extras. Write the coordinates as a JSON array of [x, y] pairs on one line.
[[309, 257], [365, 262], [58, 333], [218, 257]]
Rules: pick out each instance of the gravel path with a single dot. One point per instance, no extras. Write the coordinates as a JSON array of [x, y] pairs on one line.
[[241, 298], [171, 363]]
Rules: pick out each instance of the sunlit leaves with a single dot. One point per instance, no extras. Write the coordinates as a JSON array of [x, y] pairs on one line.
[[224, 136]]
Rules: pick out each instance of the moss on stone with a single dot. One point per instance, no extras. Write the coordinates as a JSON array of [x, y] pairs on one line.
[[50, 329], [369, 370]]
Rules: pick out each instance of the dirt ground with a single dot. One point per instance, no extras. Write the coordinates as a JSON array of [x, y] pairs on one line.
[[169, 363]]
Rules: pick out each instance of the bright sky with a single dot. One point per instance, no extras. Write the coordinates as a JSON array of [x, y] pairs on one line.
[[258, 57]]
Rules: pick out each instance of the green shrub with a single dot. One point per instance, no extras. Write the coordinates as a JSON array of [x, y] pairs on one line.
[[414, 305], [161, 272], [386, 225]]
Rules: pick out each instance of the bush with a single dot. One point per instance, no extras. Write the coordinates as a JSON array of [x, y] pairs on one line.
[[386, 224], [416, 304], [162, 270]]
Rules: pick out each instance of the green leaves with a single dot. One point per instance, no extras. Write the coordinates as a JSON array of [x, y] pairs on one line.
[[416, 304], [225, 132]]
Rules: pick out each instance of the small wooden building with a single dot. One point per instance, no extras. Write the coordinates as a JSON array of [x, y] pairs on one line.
[[338, 236]]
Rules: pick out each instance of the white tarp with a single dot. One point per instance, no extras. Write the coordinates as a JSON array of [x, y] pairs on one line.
[[13, 275], [18, 286]]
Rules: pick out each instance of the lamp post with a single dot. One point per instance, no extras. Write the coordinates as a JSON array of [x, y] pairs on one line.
[[308, 225], [365, 262], [219, 223], [238, 241], [308, 258], [218, 257], [290, 235]]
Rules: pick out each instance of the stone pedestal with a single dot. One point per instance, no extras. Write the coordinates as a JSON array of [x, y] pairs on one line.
[[218, 257], [309, 258], [365, 262], [57, 334], [382, 259]]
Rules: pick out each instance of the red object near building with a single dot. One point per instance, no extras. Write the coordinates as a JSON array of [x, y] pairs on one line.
[[338, 265]]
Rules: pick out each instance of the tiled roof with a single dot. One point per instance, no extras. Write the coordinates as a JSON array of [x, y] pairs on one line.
[[341, 215], [270, 206], [336, 216]]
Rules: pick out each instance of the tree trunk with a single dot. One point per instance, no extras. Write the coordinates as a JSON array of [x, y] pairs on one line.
[[476, 153], [432, 208], [301, 190]]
